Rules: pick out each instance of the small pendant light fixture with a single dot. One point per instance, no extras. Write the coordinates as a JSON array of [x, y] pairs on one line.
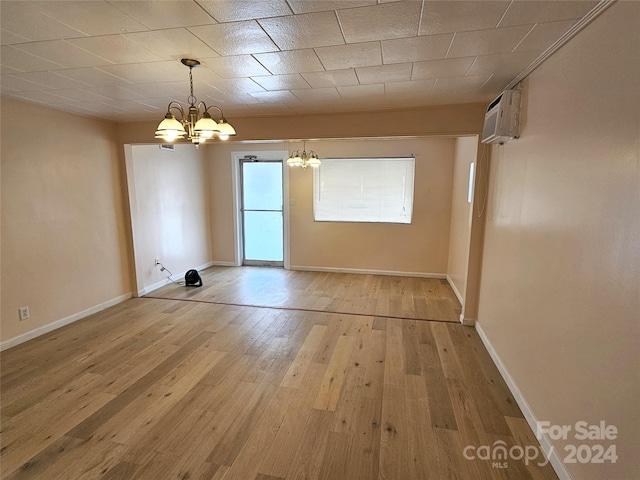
[[197, 128], [304, 159]]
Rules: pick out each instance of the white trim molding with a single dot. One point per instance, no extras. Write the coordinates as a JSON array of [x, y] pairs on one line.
[[532, 420], [455, 290], [12, 342], [368, 272]]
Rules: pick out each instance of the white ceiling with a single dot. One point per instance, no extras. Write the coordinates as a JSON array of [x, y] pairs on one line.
[[120, 60]]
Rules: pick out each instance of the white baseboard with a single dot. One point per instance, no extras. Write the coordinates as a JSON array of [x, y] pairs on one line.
[[469, 322], [368, 272], [12, 342], [223, 264], [545, 442], [455, 290]]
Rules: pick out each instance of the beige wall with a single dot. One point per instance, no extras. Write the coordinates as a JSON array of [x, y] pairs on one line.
[[65, 242], [465, 154], [421, 247], [170, 211], [560, 290]]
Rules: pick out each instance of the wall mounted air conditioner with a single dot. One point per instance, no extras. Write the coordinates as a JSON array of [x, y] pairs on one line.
[[501, 122]]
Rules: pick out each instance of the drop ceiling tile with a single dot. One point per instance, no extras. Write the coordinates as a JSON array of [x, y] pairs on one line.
[[23, 19], [486, 42], [544, 35], [116, 49], [234, 10], [172, 43], [460, 83], [236, 66], [317, 95], [235, 38], [279, 96], [450, 67], [63, 53], [8, 38], [308, 6], [503, 63], [92, 76], [166, 89], [92, 18], [496, 84], [80, 95], [46, 97], [49, 80], [24, 62], [400, 72], [308, 30], [114, 93], [416, 49], [169, 71], [380, 22], [4, 70], [528, 13], [350, 56], [296, 61], [234, 86], [409, 88], [17, 83], [459, 16], [281, 82], [361, 91], [157, 15], [333, 78]]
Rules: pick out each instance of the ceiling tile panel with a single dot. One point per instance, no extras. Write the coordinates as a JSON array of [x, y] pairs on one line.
[[24, 62], [400, 72], [114, 93], [304, 31], [281, 82], [169, 71], [460, 16], [380, 22], [419, 87], [416, 49], [350, 56], [360, 91], [17, 83], [236, 86], [296, 61], [174, 43], [308, 6], [235, 38], [500, 63], [543, 36], [24, 21], [8, 38], [116, 49], [49, 80], [157, 15], [486, 42], [80, 95], [317, 95], [526, 13], [456, 84], [333, 78], [92, 18], [92, 76], [278, 96], [451, 67], [234, 10], [63, 53], [236, 66]]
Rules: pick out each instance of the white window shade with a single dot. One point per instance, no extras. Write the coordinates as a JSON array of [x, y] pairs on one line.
[[364, 190]]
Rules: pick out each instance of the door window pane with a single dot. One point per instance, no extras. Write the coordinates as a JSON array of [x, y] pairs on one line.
[[263, 236], [262, 185]]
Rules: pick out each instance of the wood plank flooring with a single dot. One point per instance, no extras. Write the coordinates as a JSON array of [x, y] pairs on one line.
[[378, 295], [169, 389]]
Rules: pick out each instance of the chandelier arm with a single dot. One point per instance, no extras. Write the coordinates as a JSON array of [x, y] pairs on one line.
[[175, 105], [213, 106]]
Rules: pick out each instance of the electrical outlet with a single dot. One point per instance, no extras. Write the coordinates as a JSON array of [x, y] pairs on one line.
[[157, 261], [24, 313]]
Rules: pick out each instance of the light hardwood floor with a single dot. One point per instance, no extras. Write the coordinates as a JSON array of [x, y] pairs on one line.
[[169, 389], [389, 296]]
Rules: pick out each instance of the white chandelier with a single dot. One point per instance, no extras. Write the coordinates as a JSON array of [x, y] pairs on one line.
[[192, 125], [304, 159]]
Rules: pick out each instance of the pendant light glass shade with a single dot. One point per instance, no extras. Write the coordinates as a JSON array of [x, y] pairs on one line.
[[206, 126], [170, 129]]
